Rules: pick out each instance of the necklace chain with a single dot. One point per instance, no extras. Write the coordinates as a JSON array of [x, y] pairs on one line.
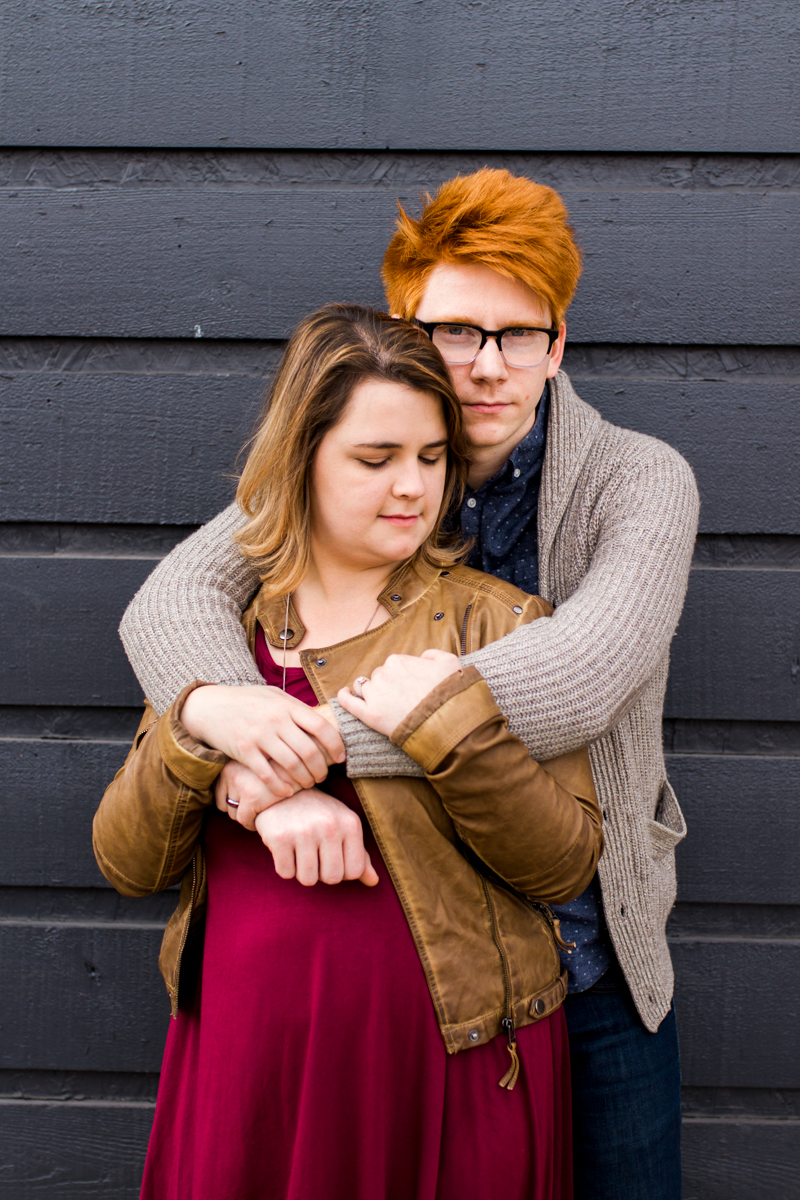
[[286, 630]]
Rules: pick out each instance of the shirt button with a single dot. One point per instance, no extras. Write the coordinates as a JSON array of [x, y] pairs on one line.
[[471, 502], [516, 472], [474, 1035], [321, 662], [517, 609]]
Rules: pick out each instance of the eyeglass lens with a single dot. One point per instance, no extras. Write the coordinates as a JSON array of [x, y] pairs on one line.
[[459, 344]]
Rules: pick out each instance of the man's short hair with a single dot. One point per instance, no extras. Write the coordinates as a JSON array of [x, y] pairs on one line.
[[515, 226]]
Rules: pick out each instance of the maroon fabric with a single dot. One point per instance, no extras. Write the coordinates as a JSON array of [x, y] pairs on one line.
[[310, 1065]]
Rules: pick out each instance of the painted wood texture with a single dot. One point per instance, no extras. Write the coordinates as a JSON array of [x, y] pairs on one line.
[[734, 657], [166, 446], [248, 264], [657, 76]]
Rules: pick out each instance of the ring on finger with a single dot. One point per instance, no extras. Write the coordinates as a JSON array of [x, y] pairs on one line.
[[231, 803], [358, 684]]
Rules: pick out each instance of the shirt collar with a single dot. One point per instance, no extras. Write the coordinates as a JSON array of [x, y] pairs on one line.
[[528, 454]]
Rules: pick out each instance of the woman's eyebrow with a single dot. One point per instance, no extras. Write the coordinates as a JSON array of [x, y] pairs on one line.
[[395, 445]]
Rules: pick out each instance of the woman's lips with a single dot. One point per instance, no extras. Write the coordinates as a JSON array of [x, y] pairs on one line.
[[399, 519]]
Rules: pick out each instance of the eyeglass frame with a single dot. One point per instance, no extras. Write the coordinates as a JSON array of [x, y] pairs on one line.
[[429, 327]]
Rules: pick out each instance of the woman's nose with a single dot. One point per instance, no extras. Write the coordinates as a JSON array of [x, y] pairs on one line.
[[409, 482]]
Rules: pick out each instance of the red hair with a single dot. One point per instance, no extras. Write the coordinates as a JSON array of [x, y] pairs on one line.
[[515, 226]]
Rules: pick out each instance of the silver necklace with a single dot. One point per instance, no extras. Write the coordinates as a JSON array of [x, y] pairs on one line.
[[285, 633]]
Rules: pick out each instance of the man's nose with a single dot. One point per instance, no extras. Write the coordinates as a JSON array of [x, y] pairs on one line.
[[489, 363]]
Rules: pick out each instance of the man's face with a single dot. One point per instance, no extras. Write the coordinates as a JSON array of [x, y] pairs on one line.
[[499, 402]]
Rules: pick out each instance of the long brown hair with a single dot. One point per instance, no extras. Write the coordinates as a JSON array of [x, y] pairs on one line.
[[330, 352]]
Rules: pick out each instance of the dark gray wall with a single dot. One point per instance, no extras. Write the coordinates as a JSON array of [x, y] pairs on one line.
[[178, 186]]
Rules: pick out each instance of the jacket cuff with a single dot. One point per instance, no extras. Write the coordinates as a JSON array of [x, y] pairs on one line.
[[454, 709], [194, 763]]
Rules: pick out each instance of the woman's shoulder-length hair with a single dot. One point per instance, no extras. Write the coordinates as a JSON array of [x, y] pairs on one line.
[[330, 352]]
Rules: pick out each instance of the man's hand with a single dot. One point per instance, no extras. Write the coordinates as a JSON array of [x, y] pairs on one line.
[[395, 689], [315, 837], [257, 724]]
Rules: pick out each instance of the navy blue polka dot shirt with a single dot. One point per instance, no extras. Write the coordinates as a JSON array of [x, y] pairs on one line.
[[501, 516]]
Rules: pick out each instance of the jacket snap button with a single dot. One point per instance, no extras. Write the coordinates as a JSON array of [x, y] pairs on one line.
[[396, 598], [517, 609], [539, 1007], [474, 1035], [445, 574], [321, 662], [438, 616], [286, 635]]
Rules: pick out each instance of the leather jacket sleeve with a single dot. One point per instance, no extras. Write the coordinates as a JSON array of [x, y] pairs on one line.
[[150, 818], [537, 825]]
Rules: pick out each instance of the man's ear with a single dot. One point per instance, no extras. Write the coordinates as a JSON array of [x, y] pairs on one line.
[[558, 351]]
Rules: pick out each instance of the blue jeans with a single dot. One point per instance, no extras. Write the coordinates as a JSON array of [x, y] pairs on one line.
[[626, 1097]]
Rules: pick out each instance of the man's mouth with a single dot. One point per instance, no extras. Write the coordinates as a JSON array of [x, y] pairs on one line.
[[402, 520], [486, 406]]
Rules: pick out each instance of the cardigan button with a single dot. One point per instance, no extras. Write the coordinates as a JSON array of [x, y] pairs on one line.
[[539, 1007]]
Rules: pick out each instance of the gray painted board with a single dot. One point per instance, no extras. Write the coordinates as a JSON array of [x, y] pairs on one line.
[[730, 998], [244, 263], [669, 76], [81, 997], [733, 657], [81, 1150], [744, 828], [742, 812], [740, 1159], [736, 653], [165, 446]]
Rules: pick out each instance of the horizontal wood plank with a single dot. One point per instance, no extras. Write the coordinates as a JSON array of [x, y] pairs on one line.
[[165, 447], [744, 828], [51, 793], [736, 651], [664, 76], [737, 1010], [249, 263], [89, 997], [733, 657], [743, 818], [81, 997], [78, 1150], [740, 1160]]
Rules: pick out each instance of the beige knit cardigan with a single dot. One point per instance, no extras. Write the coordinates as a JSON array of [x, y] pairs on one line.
[[617, 522]]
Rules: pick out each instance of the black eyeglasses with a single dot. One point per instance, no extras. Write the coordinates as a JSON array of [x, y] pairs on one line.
[[520, 345]]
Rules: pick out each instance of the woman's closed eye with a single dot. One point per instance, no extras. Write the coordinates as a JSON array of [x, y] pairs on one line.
[[374, 464]]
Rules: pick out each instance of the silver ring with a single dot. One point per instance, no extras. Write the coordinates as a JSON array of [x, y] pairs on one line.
[[231, 803], [358, 685]]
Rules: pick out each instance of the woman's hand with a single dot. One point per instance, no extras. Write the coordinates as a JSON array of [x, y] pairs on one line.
[[314, 837], [395, 689], [238, 783], [261, 726]]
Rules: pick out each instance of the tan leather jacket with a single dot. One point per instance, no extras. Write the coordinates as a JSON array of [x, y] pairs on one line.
[[476, 850]]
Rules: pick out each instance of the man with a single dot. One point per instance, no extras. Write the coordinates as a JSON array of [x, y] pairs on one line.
[[601, 521]]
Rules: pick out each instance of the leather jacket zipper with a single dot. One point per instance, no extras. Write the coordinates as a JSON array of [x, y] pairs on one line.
[[507, 1023], [185, 935], [464, 627]]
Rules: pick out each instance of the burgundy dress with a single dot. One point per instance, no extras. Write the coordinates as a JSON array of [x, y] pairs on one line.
[[310, 1066]]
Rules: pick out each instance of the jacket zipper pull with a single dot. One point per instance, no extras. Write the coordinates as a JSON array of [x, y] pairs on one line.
[[562, 945], [511, 1075]]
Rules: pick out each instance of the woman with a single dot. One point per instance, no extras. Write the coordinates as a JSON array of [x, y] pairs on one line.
[[348, 1042]]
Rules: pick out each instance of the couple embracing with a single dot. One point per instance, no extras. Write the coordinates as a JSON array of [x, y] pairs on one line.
[[459, 585]]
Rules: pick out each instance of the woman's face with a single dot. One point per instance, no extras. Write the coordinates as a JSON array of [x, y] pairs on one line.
[[378, 476]]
